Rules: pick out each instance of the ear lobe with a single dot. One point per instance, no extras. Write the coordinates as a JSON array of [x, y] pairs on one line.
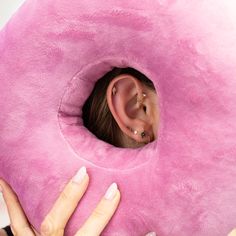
[[125, 98]]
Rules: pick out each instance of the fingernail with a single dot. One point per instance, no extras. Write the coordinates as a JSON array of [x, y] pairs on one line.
[[151, 234], [1, 189], [78, 178], [111, 192]]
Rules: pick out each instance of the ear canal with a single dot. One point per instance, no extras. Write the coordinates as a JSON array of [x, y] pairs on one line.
[[145, 109]]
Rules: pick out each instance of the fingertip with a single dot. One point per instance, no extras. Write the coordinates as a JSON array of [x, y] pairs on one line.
[[86, 180], [118, 194], [115, 200], [80, 175], [80, 179], [111, 192]]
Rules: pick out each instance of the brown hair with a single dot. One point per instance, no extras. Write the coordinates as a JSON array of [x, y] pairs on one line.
[[96, 114]]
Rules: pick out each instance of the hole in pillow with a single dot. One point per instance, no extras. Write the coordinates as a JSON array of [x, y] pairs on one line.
[[81, 141]]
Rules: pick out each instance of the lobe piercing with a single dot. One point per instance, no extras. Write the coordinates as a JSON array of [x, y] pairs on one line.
[[133, 131], [143, 134]]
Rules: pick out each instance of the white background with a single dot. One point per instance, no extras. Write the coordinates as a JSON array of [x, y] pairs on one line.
[[7, 9]]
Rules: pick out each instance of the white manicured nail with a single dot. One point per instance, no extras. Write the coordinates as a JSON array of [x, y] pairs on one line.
[[78, 178], [111, 192], [151, 234]]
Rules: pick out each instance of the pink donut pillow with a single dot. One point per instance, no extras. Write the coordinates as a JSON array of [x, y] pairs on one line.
[[51, 54]]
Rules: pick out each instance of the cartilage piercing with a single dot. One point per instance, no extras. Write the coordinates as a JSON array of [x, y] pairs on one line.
[[114, 90], [140, 99]]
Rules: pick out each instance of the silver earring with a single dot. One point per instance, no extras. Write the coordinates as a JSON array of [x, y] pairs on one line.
[[114, 90], [143, 134], [140, 100], [135, 132]]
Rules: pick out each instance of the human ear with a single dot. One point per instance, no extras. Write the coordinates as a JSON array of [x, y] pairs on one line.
[[130, 106]]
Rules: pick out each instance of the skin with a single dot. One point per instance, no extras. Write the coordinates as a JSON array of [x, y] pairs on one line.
[[133, 111]]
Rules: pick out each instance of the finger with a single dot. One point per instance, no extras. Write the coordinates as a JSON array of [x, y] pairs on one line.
[[19, 222], [56, 220], [100, 217], [232, 233]]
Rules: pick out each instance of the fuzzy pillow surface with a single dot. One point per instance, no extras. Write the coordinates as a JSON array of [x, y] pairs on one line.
[[51, 54]]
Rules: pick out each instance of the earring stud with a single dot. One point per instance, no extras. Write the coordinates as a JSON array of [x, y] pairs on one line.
[[142, 134], [114, 90], [140, 99]]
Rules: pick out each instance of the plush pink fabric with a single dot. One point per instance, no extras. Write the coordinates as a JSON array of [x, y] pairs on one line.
[[51, 54]]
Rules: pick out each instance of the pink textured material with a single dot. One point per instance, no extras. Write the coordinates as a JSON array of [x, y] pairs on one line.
[[51, 54]]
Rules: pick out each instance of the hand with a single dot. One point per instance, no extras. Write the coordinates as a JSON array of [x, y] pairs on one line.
[[56, 220]]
